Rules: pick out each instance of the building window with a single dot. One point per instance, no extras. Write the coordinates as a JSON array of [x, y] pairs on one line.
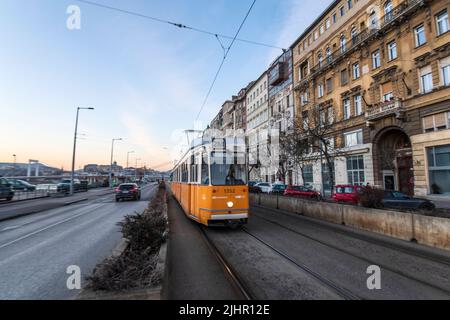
[[376, 61], [342, 11], [330, 114], [373, 20], [442, 22], [436, 122], [358, 104], [308, 178], [305, 118], [439, 169], [392, 50], [320, 90], [347, 110], [334, 17], [426, 80], [327, 24], [353, 138], [350, 4], [344, 77], [329, 85], [446, 74], [319, 59], [388, 11], [354, 35], [343, 44], [419, 35], [328, 53], [356, 71], [321, 29], [355, 170]]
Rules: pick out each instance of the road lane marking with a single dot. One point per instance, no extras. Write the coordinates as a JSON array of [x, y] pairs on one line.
[[43, 229], [10, 228]]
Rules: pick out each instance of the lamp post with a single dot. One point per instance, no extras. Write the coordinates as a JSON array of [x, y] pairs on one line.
[[111, 164], [128, 155], [72, 176]]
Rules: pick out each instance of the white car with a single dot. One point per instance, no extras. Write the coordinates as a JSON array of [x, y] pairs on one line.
[[265, 187]]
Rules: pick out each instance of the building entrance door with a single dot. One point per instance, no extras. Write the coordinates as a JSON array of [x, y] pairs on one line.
[[405, 175], [389, 181]]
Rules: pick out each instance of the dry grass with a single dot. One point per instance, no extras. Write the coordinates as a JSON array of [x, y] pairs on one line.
[[135, 267]]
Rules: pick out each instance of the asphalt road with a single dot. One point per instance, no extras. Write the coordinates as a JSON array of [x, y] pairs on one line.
[[326, 261], [35, 250], [14, 209]]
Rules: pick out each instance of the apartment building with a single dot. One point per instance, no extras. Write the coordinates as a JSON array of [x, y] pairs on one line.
[[257, 126], [379, 73]]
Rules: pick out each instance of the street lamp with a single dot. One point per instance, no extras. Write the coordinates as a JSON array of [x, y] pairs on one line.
[[128, 154], [72, 176], [111, 164]]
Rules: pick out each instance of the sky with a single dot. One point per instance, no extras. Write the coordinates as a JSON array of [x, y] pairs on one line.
[[146, 80]]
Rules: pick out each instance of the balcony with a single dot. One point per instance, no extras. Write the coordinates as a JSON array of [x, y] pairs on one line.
[[385, 109], [403, 10], [278, 74]]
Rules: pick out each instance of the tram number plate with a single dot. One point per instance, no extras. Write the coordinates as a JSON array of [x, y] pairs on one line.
[[229, 190]]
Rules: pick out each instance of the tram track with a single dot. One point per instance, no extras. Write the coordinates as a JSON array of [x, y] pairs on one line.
[[230, 272], [411, 252], [342, 292], [371, 262]]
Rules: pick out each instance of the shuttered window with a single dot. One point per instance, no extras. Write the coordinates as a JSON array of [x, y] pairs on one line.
[[436, 122]]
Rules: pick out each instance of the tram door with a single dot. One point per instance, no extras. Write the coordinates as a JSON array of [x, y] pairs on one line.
[[195, 178]]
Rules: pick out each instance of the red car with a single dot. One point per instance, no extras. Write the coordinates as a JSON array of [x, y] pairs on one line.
[[303, 192], [347, 194]]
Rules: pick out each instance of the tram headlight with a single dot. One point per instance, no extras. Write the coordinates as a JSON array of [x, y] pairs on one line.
[[230, 204]]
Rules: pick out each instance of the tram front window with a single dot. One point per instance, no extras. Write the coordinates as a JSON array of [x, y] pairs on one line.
[[227, 171]]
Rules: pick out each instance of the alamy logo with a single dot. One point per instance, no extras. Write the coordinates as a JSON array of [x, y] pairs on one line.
[[374, 281], [74, 280], [74, 20]]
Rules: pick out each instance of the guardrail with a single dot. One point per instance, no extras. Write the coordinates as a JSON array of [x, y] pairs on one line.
[[26, 195]]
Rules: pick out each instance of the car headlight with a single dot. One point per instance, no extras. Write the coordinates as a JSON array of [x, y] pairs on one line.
[[230, 204]]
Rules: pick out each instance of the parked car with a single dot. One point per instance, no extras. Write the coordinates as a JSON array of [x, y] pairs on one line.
[[278, 188], [302, 191], [128, 191], [64, 186], [6, 191], [265, 187], [252, 188], [347, 194], [399, 200], [21, 185], [84, 185]]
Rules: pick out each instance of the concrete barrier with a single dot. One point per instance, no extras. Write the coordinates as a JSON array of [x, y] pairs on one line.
[[391, 223], [268, 200], [331, 212], [431, 231]]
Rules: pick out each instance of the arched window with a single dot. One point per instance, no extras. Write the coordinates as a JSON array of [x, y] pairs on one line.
[[354, 34], [328, 53], [343, 44], [319, 59], [388, 11]]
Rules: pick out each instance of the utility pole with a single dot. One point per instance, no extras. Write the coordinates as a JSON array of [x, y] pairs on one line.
[[135, 170], [72, 176], [111, 164]]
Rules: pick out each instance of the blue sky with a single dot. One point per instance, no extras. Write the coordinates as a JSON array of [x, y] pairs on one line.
[[145, 79]]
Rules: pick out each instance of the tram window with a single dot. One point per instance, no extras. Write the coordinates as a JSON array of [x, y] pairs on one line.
[[226, 170], [205, 171]]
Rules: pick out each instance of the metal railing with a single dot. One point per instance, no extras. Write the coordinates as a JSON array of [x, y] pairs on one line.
[[384, 109], [399, 11]]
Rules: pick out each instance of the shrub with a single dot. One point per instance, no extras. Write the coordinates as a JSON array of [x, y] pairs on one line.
[[371, 197]]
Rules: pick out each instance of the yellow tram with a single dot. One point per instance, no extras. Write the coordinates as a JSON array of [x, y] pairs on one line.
[[210, 182]]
